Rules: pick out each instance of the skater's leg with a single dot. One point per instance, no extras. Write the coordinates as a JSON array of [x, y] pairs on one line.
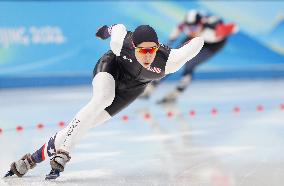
[[55, 142], [205, 54], [186, 78], [102, 117], [182, 85], [103, 96], [90, 115], [122, 99]]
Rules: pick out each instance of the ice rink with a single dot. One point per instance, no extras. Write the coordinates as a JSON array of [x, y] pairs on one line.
[[219, 133]]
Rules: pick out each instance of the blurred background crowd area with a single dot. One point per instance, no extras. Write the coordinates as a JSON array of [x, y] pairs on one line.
[[53, 42]]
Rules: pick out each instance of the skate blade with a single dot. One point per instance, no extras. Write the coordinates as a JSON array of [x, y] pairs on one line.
[[8, 174], [166, 101], [51, 177]]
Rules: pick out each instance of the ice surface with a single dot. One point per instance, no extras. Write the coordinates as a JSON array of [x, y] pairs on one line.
[[225, 149]]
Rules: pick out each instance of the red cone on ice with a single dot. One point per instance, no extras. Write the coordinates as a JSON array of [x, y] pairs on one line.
[[214, 111], [237, 109], [61, 124], [147, 116], [40, 126], [170, 114], [125, 118], [259, 108], [19, 128], [192, 113]]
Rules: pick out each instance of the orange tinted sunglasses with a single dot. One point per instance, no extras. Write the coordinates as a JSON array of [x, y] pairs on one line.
[[150, 50]]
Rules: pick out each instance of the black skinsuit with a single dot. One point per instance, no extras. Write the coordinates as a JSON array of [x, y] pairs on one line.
[[131, 78]]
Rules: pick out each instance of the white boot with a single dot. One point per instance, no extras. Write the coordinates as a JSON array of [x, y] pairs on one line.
[[21, 167], [59, 160], [58, 163]]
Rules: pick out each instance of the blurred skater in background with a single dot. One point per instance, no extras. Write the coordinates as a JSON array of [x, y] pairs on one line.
[[214, 32]]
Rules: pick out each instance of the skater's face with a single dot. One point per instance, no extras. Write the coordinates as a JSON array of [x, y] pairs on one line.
[[145, 53]]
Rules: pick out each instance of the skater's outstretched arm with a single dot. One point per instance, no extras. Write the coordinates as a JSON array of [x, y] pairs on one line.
[[178, 57], [117, 33]]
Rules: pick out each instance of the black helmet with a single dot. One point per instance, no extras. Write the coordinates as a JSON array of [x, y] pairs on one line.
[[144, 33]]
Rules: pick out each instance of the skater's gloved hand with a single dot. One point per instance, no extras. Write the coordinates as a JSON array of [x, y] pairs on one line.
[[103, 32]]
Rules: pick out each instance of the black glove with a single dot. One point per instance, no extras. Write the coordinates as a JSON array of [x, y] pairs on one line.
[[103, 32]]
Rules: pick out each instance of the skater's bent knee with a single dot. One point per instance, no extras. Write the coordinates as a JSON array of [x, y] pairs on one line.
[[103, 79], [103, 89], [102, 99]]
